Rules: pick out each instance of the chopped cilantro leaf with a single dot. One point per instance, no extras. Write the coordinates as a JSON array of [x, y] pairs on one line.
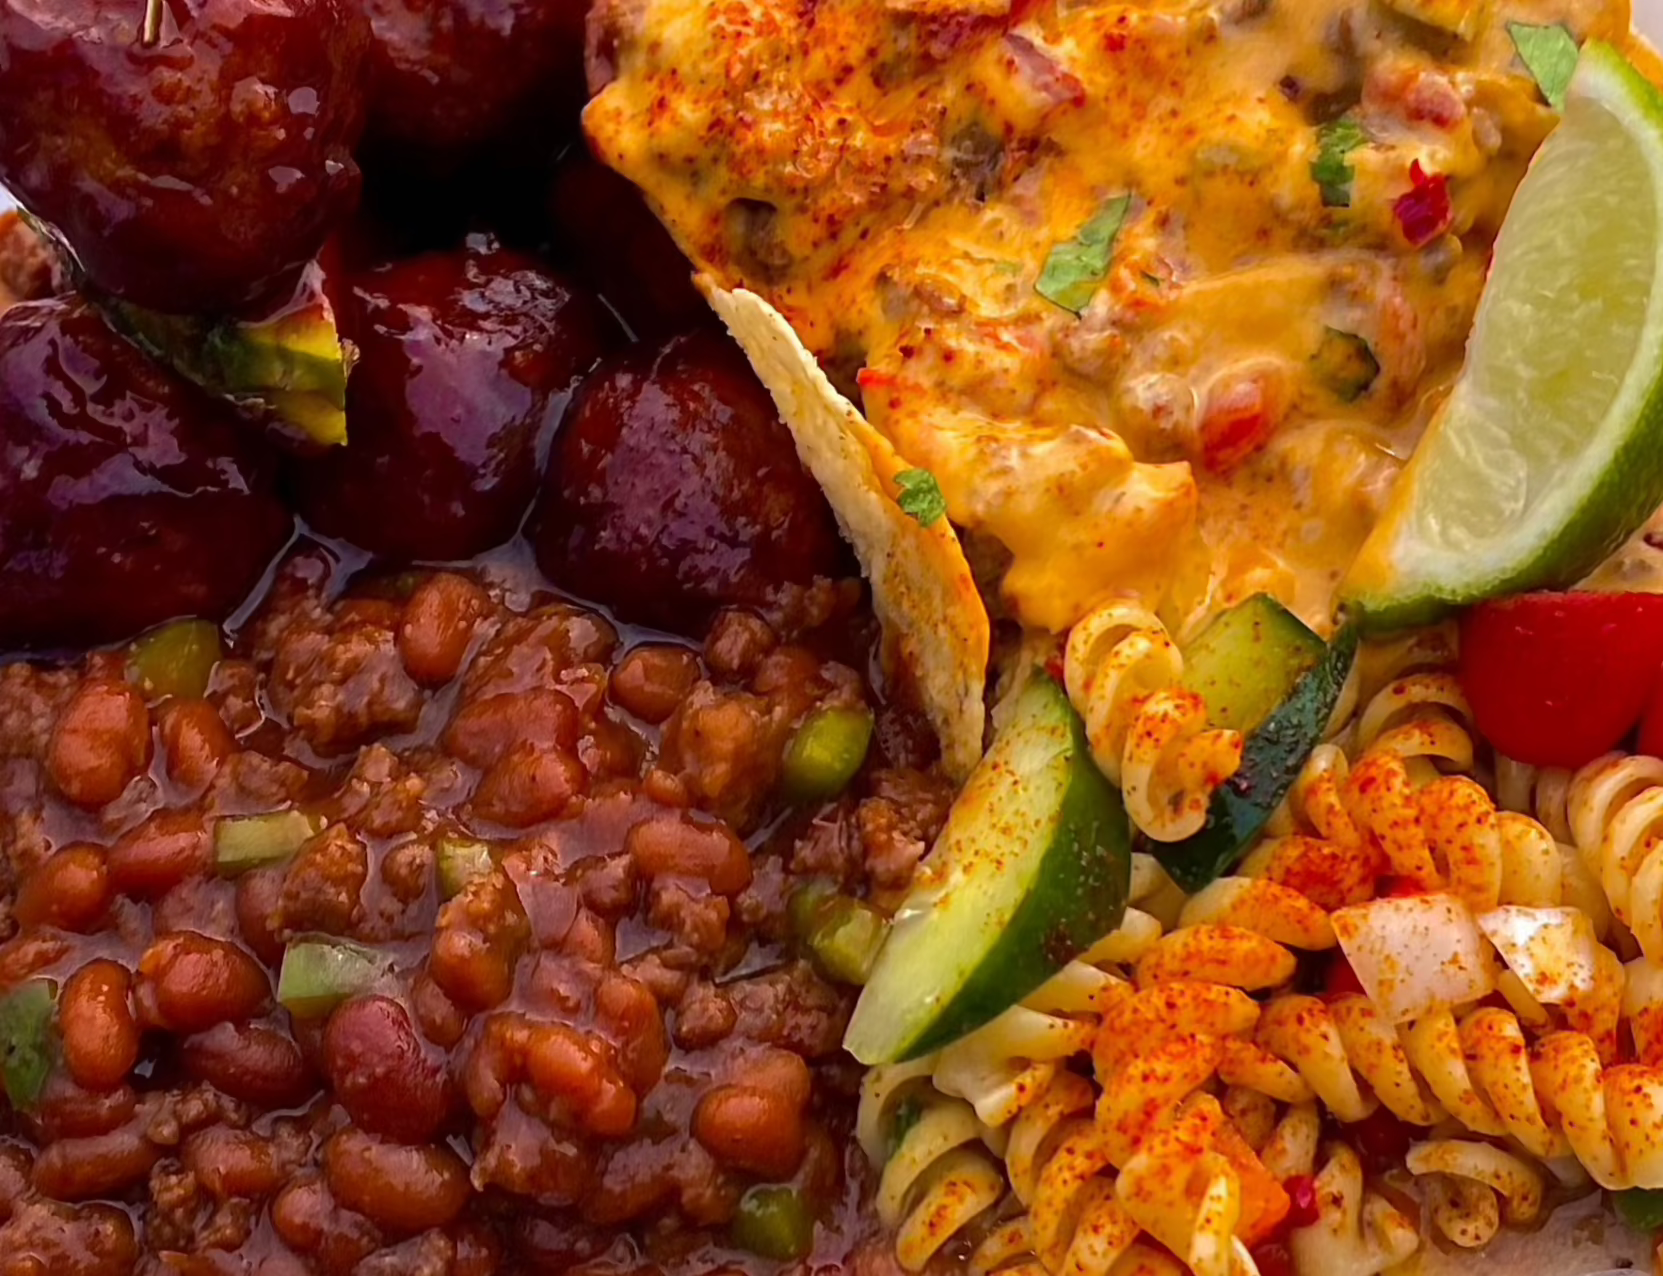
[[921, 496], [1074, 269], [1641, 1208], [28, 1042], [1549, 54], [1331, 170]]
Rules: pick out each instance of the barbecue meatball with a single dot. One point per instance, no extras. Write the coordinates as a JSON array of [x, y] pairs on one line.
[[674, 489], [613, 240], [127, 496], [198, 173], [466, 362], [450, 76]]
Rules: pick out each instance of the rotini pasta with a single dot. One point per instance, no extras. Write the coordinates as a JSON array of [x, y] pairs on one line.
[[1005, 1090], [1212, 1073], [937, 1175], [1471, 1188], [1357, 1232], [1612, 812], [1121, 670]]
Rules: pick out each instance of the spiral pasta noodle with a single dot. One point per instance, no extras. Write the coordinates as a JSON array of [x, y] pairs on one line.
[[1121, 670], [936, 1124], [937, 1176], [1611, 812]]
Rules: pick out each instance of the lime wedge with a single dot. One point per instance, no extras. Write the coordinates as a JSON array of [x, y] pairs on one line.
[[1549, 450]]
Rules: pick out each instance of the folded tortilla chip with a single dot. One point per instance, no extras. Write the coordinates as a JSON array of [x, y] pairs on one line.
[[922, 590]]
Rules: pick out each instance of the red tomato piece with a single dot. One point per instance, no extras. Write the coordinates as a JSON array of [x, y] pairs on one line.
[[1424, 212], [1244, 406], [1557, 679], [1651, 725]]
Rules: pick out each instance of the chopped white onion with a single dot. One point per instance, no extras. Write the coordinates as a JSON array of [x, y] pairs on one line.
[[1415, 953], [1551, 950]]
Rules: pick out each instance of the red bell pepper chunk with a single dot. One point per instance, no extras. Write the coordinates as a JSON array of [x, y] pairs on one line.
[[1558, 679], [1424, 212]]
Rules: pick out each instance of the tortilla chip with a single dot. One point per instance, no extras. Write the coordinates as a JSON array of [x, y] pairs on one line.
[[922, 589]]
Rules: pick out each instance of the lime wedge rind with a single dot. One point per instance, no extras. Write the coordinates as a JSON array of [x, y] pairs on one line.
[[1549, 452]]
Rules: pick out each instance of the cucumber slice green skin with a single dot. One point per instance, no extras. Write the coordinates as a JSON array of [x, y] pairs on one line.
[[1032, 869], [1271, 762], [1248, 661]]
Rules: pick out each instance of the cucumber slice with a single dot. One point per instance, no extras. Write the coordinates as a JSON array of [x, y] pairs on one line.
[[1271, 762], [1248, 661], [1031, 870]]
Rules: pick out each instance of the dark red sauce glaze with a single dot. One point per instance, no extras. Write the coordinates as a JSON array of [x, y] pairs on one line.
[[449, 77], [579, 1061], [127, 496], [466, 362], [674, 489], [198, 173]]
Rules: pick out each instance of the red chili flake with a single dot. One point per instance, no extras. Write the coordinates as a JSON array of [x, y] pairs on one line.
[[1424, 212], [1054, 667], [1302, 1200]]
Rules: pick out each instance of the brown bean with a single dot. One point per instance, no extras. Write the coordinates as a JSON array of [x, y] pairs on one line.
[[310, 1222], [258, 1065], [69, 890], [100, 743], [484, 731], [23, 955], [652, 680], [775, 1071], [100, 1165], [436, 1014], [439, 625], [565, 1064], [751, 1130], [160, 853], [43, 1238], [259, 907], [403, 1189], [195, 741], [100, 1038], [629, 1013], [233, 1163], [529, 785], [382, 1072], [189, 982], [673, 845], [70, 1111]]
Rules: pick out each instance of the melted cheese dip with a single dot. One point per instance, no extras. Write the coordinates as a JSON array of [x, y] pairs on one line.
[[1227, 410]]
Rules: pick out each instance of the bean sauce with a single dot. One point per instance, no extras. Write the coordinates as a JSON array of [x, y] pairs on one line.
[[447, 932]]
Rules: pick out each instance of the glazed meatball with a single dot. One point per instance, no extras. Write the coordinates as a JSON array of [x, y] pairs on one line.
[[450, 76], [196, 173], [466, 362], [127, 496], [613, 239], [674, 489]]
